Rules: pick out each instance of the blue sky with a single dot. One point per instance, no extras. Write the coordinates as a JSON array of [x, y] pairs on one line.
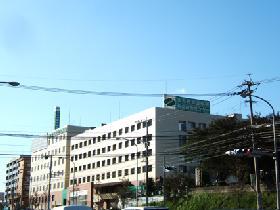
[[143, 46]]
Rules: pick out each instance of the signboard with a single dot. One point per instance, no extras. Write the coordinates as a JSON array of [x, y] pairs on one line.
[[186, 104]]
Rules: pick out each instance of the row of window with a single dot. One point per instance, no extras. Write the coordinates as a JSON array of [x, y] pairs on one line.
[[110, 161], [109, 175], [112, 134], [54, 186], [52, 152], [113, 147], [184, 125], [60, 161]]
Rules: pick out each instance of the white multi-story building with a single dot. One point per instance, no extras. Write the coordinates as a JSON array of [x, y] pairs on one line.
[[55, 150], [103, 157]]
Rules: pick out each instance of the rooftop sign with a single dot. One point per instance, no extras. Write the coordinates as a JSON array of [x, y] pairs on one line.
[[186, 104]]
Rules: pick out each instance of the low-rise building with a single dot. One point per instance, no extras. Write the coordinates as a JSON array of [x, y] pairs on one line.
[[17, 182]]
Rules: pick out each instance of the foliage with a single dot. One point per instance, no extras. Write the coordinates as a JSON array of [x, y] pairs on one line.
[[124, 192], [214, 201], [177, 186]]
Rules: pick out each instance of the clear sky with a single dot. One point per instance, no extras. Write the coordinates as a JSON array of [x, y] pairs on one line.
[[143, 46]]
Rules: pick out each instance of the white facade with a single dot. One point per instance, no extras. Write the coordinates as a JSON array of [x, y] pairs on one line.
[[56, 146], [108, 153]]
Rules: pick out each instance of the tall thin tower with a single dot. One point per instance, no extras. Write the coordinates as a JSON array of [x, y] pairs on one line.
[[57, 117]]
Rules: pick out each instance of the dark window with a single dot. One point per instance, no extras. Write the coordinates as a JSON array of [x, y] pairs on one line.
[[114, 160], [126, 157], [89, 142], [132, 171], [139, 140], [132, 128], [93, 152], [103, 162], [104, 137], [88, 178], [103, 150], [80, 156], [98, 151], [103, 176], [114, 134], [126, 172], [182, 125], [126, 129], [120, 145], [85, 143], [108, 148], [150, 122], [138, 170], [84, 167], [132, 156], [108, 175], [126, 143], [85, 155], [109, 135], [89, 153], [98, 139], [113, 174], [119, 173], [81, 145], [89, 166], [72, 147], [92, 178], [114, 147], [120, 159], [80, 168], [108, 162], [138, 125], [93, 165], [93, 140], [76, 146], [120, 131], [98, 164], [132, 142], [98, 177]]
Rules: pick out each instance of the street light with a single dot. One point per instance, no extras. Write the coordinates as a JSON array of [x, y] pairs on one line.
[[14, 84], [275, 150]]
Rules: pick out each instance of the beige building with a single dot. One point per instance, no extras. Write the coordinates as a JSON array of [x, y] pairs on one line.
[[17, 182], [54, 150]]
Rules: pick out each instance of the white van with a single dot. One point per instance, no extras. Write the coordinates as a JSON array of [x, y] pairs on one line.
[[72, 207], [146, 208]]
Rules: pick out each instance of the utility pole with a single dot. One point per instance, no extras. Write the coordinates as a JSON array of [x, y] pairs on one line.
[[50, 177], [147, 162], [248, 93], [163, 184]]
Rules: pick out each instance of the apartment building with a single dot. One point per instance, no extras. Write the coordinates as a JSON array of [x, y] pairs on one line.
[[52, 151], [102, 158], [17, 182]]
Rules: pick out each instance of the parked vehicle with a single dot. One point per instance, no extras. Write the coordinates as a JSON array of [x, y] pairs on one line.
[[72, 207]]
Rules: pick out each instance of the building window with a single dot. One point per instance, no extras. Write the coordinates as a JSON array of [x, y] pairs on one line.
[[202, 125], [182, 125], [103, 176], [76, 146], [80, 168], [149, 168], [93, 140], [114, 160], [89, 142], [126, 129], [89, 166], [132, 128], [84, 167], [103, 162], [113, 174], [132, 156], [191, 125], [119, 173], [85, 143], [98, 164], [138, 125], [98, 151], [120, 145], [84, 179], [150, 122], [114, 147], [88, 178], [103, 150], [92, 178], [114, 134], [120, 159], [132, 142], [126, 157], [108, 175], [85, 155], [93, 152], [104, 137], [126, 144], [89, 153], [126, 172], [93, 165], [108, 162], [139, 140], [132, 171], [72, 147], [109, 148], [138, 170], [81, 145], [98, 177], [182, 140], [109, 135], [98, 139], [80, 156], [120, 131]]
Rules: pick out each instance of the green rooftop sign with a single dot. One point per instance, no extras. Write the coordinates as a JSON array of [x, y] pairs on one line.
[[186, 104]]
